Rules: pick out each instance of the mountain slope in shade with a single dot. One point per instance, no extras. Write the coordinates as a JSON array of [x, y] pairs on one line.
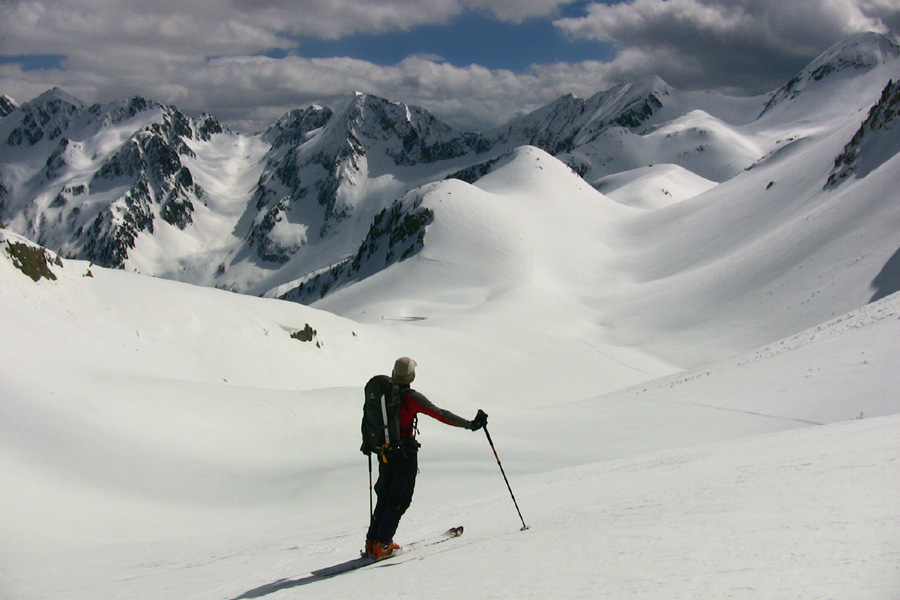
[[874, 143]]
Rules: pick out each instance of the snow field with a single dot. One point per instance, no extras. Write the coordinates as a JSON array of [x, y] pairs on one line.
[[774, 516], [136, 466]]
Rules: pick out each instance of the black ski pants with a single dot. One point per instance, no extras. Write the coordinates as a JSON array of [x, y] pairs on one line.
[[395, 485]]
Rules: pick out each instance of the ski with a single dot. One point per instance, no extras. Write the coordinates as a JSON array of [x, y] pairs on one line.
[[363, 561]]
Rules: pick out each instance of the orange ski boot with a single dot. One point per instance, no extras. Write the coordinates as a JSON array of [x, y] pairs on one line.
[[380, 550]]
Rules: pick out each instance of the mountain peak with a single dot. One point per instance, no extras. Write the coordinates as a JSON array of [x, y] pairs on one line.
[[568, 120], [649, 85], [407, 134], [854, 55], [861, 51], [44, 118], [360, 102], [57, 96], [293, 127]]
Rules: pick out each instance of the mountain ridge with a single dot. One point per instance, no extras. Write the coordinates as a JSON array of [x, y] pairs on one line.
[[113, 183]]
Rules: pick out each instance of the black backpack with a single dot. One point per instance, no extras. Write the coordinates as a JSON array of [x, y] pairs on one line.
[[381, 416]]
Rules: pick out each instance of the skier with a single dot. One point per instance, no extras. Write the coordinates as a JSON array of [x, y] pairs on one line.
[[397, 471]]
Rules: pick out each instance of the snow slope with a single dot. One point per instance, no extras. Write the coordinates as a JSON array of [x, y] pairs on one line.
[[759, 257], [653, 187], [164, 440]]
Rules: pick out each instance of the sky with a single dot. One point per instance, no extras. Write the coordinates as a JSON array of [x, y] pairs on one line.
[[473, 63]]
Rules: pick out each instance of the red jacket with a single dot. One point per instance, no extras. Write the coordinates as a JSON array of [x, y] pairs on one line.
[[412, 403]]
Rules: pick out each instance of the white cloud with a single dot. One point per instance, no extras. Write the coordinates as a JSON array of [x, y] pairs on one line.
[[79, 28], [252, 91], [207, 55], [217, 27], [468, 97]]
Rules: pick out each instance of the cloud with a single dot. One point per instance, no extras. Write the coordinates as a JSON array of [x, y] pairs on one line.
[[251, 92], [239, 59], [747, 46], [471, 97], [79, 28], [224, 27], [215, 55]]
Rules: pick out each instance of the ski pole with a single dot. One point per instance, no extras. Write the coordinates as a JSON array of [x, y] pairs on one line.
[[371, 510], [491, 442]]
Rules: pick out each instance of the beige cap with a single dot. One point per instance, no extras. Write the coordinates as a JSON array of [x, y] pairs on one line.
[[404, 370]]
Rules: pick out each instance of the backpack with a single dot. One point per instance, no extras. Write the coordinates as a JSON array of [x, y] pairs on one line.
[[381, 416]]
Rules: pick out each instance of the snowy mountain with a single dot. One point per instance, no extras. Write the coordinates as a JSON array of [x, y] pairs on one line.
[[323, 164], [857, 54], [89, 181], [330, 195], [571, 122]]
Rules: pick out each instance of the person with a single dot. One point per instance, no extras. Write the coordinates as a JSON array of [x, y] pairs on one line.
[[397, 475]]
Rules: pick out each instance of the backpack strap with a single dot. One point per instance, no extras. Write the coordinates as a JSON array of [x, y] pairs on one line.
[[395, 401], [384, 415]]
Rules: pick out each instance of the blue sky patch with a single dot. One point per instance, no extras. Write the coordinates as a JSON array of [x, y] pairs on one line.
[[34, 62], [470, 39]]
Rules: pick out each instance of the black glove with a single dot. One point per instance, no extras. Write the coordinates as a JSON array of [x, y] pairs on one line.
[[479, 421]]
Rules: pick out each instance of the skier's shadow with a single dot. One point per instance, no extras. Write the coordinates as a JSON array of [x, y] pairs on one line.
[[286, 584], [277, 586]]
